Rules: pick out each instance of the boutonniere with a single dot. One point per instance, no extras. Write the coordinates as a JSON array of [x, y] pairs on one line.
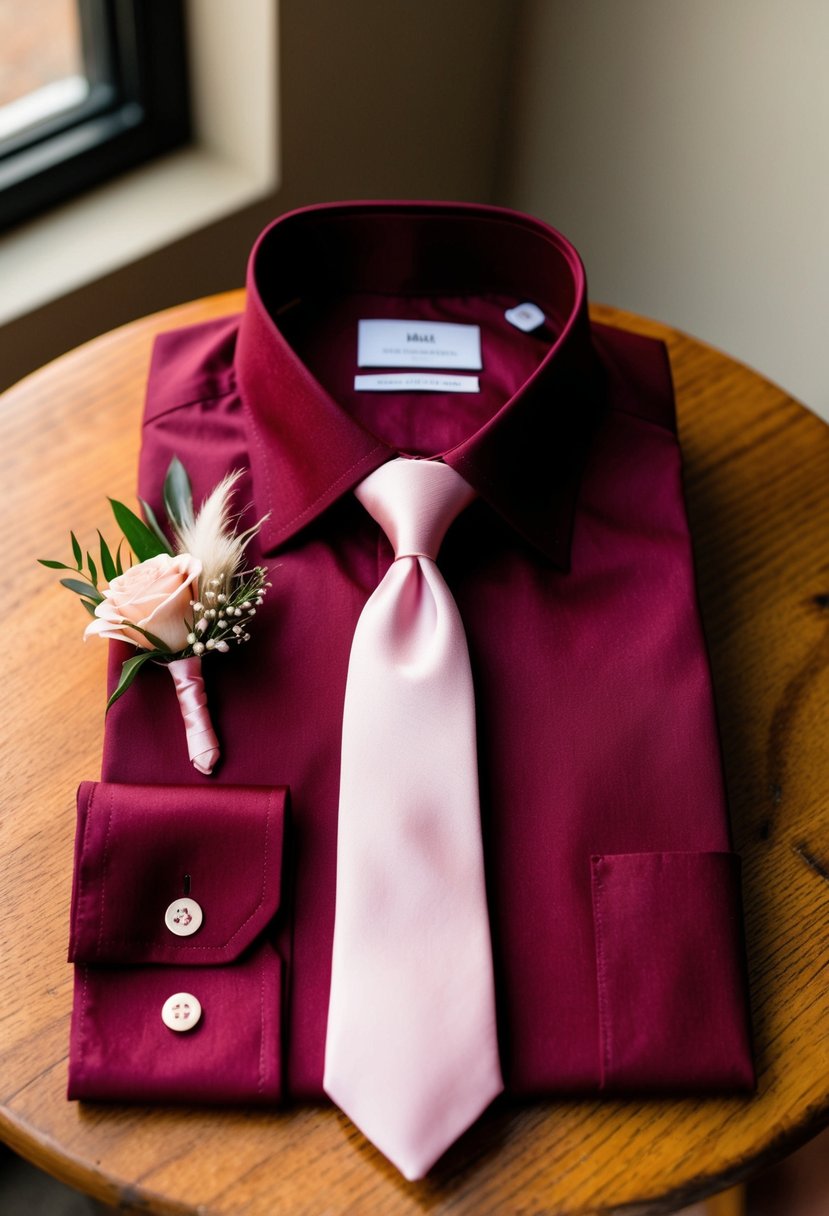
[[175, 604]]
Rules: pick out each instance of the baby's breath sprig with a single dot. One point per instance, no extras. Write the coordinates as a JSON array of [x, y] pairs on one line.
[[221, 617]]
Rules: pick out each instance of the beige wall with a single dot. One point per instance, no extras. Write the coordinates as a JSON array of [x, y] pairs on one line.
[[378, 99], [684, 146]]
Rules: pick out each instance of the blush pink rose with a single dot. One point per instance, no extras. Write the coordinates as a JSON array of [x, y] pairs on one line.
[[156, 595]]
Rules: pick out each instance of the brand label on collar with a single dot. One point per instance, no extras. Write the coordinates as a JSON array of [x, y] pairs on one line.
[[416, 382], [383, 343]]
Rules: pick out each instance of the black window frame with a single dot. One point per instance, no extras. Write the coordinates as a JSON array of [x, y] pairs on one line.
[[135, 57]]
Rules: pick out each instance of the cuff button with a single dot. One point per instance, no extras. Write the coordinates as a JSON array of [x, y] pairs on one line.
[[181, 1011], [183, 917]]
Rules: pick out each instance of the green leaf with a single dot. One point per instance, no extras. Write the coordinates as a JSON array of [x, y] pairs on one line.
[[89, 607], [107, 564], [55, 565], [85, 589], [119, 566], [76, 550], [151, 637], [155, 526], [129, 670], [93, 572], [178, 494], [144, 543]]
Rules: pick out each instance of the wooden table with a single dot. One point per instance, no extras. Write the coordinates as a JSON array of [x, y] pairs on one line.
[[758, 488]]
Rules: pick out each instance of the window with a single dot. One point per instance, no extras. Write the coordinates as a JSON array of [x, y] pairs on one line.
[[88, 88]]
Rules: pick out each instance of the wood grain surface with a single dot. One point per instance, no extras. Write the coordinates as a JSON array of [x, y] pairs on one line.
[[757, 467]]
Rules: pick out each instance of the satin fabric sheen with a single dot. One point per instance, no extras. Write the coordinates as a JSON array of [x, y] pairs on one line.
[[202, 744], [411, 1045], [573, 573]]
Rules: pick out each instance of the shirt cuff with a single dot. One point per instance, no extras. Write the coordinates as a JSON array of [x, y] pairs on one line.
[[152, 862]]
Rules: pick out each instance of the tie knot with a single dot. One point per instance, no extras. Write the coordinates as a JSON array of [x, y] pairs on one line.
[[414, 502]]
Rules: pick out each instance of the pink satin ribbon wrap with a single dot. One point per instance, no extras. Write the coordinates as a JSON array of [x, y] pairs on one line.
[[202, 744]]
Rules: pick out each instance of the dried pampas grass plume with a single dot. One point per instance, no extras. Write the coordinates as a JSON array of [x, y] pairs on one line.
[[209, 536]]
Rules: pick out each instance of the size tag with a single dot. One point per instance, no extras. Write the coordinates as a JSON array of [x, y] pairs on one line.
[[382, 343], [527, 316], [416, 382]]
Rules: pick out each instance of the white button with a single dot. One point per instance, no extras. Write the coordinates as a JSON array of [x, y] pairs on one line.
[[181, 1011], [183, 917], [527, 316]]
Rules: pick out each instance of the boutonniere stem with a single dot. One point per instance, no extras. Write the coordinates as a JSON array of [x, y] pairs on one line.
[[202, 744]]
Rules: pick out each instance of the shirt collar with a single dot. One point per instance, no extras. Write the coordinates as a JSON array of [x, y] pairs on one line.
[[307, 451]]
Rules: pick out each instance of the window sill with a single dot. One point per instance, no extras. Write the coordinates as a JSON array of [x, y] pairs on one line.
[[117, 224], [233, 69]]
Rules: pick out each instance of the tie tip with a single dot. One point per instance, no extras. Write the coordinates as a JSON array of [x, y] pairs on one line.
[[413, 1150], [415, 1174]]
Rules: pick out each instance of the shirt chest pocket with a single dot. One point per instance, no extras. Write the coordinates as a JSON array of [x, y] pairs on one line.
[[175, 936], [671, 972]]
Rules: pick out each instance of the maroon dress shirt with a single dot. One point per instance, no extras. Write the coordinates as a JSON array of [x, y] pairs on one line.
[[613, 890]]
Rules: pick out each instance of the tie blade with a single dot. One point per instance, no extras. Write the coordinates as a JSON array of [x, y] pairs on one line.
[[411, 1045], [414, 1136]]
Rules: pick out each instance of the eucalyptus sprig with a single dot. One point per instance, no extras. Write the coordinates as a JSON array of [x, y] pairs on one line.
[[87, 585]]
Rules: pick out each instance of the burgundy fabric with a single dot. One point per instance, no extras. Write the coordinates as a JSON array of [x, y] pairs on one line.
[[121, 1050], [573, 573], [670, 967], [135, 847]]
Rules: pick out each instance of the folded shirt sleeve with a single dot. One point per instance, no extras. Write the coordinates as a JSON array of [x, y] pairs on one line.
[[150, 863]]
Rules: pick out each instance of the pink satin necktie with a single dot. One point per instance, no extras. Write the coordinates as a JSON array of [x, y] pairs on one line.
[[411, 1050]]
